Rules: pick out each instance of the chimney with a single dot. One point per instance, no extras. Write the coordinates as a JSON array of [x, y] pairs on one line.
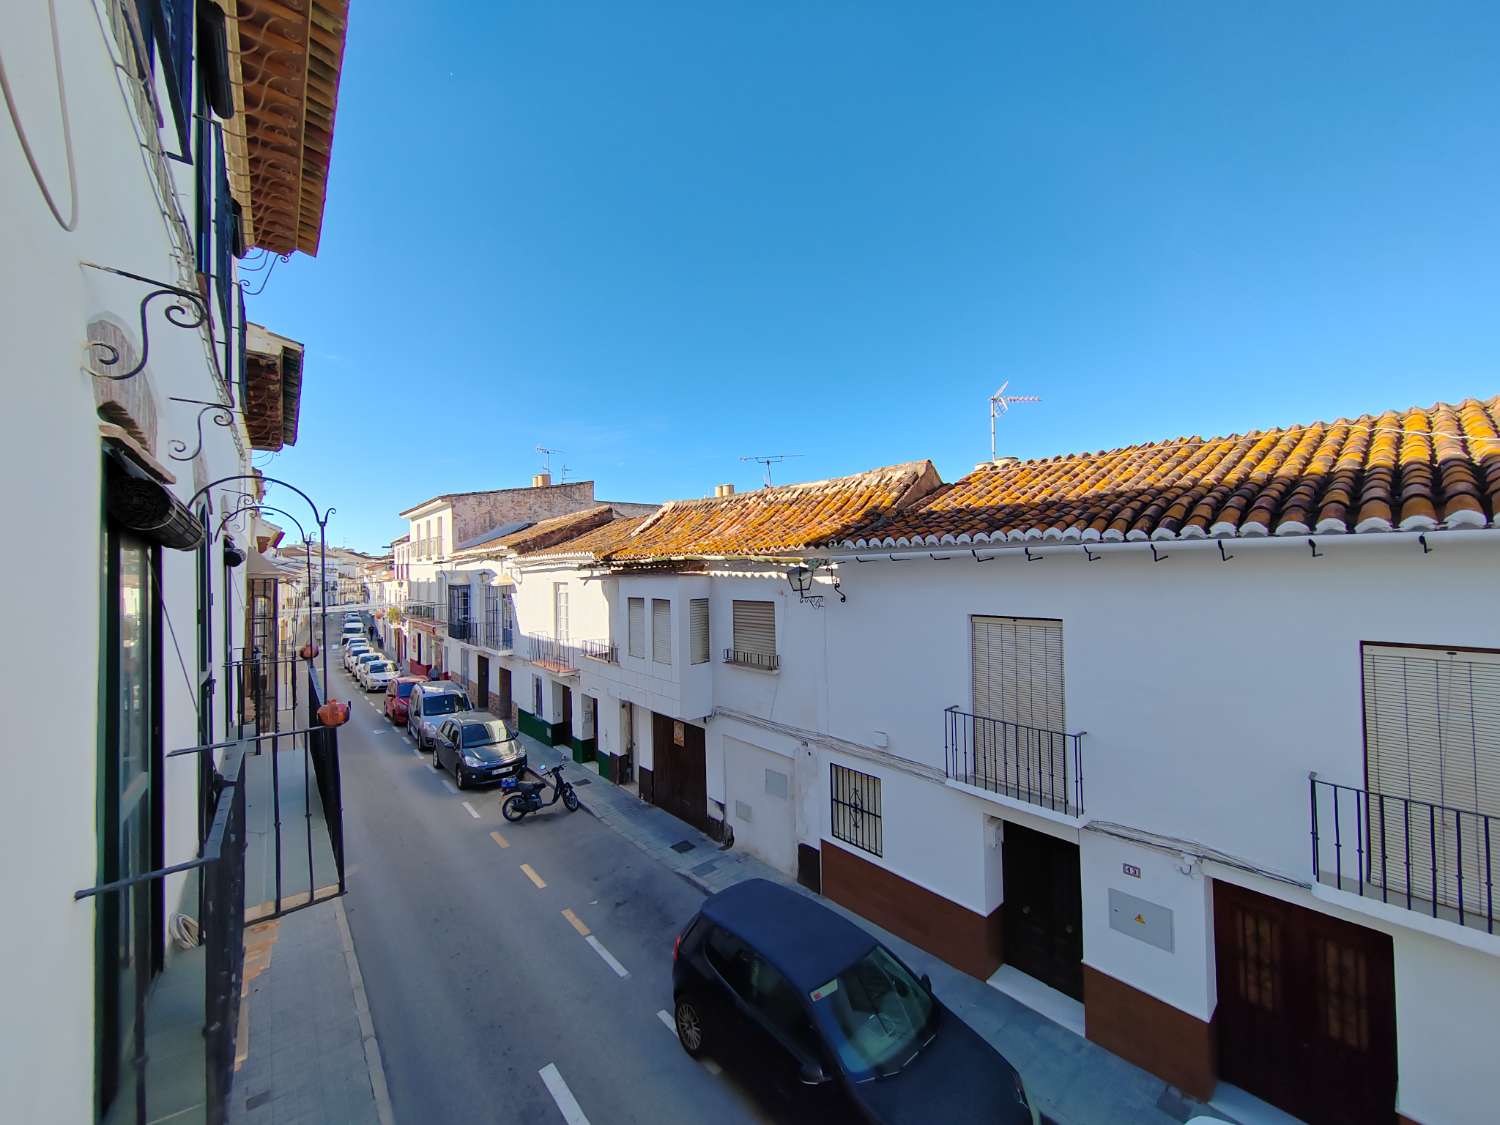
[[721, 490], [541, 480]]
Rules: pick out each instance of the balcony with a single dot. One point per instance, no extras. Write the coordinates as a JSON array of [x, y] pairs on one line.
[[497, 636], [1039, 767], [765, 661], [462, 629], [426, 611], [1404, 852], [603, 651], [555, 655]]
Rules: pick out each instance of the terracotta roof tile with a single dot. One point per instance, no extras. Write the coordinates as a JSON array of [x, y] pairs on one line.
[[542, 534], [596, 543], [783, 518], [1409, 470]]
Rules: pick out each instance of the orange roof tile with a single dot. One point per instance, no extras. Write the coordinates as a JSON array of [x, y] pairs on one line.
[[1410, 470], [542, 534], [595, 543], [770, 520]]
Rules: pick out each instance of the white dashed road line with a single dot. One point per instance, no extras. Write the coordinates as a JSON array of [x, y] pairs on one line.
[[609, 958], [567, 1104], [448, 785], [666, 1018], [472, 811]]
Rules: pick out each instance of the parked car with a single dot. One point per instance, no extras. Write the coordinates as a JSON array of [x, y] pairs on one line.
[[363, 659], [478, 748], [353, 650], [397, 692], [832, 1020], [431, 702], [375, 675]]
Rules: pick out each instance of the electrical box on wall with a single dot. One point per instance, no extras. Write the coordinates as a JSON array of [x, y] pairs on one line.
[[1142, 920]]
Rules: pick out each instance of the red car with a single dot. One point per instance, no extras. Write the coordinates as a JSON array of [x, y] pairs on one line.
[[397, 692]]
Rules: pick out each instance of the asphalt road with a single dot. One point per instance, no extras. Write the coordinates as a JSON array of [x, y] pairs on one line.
[[490, 1003]]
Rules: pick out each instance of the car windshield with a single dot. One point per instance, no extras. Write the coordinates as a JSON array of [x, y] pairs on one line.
[[483, 734], [444, 703], [875, 1015]]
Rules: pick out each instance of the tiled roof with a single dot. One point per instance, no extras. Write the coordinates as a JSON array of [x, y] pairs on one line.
[[770, 520], [542, 534], [1411, 470], [596, 543]]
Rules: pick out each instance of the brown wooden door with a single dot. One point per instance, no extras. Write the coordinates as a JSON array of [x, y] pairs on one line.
[[1307, 1009], [565, 732], [680, 772], [482, 683], [506, 702], [1043, 908]]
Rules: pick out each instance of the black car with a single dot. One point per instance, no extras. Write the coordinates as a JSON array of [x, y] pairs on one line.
[[833, 1021], [478, 748]]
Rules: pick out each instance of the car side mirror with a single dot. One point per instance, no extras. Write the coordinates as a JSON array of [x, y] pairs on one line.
[[812, 1074]]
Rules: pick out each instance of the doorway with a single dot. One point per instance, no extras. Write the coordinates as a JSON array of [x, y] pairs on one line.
[[1043, 909], [564, 714], [507, 703], [1307, 1009], [482, 683], [679, 770]]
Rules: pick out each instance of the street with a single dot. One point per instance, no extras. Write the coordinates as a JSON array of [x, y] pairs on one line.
[[515, 972]]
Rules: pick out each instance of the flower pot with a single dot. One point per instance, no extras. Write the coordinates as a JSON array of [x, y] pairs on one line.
[[333, 713], [308, 651]]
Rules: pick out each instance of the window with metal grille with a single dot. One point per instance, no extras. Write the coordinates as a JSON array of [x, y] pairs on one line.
[[755, 630], [636, 611], [661, 631], [1432, 765], [855, 804], [698, 607]]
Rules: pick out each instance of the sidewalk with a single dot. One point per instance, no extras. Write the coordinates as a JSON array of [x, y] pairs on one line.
[[1072, 1080], [306, 1049]]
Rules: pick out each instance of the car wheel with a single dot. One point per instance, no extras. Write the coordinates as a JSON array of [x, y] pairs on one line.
[[458, 777], [689, 1020]]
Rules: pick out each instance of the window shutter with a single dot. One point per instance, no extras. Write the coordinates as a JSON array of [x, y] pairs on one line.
[[637, 627], [699, 609], [755, 628], [1017, 666], [560, 610], [661, 630]]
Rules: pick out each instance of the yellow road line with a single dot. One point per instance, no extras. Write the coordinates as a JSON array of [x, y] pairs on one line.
[[533, 876], [577, 923], [499, 839]]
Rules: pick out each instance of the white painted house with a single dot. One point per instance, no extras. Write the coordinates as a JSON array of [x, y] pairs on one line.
[[132, 178]]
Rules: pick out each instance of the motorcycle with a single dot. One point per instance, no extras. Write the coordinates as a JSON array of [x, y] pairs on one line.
[[527, 796]]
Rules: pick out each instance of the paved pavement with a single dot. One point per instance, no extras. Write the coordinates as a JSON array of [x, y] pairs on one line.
[[522, 972]]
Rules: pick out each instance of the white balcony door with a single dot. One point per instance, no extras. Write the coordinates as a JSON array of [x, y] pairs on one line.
[[560, 610]]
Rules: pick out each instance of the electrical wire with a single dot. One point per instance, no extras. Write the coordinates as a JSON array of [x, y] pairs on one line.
[[71, 222]]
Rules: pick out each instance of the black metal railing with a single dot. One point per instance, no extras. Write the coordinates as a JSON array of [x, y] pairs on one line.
[[551, 653], [220, 864], [323, 747], [462, 629], [1031, 764], [425, 610], [1431, 858], [600, 650], [498, 636], [766, 661]]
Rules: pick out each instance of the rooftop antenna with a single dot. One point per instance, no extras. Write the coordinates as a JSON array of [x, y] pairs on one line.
[[547, 457], [565, 474], [1000, 403], [769, 459]]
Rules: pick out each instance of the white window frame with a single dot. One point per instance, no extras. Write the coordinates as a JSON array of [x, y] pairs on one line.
[[635, 627], [661, 631]]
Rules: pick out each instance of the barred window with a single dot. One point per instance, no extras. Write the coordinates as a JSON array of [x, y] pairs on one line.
[[855, 803]]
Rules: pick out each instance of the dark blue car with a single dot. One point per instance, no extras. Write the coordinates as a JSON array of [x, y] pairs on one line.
[[830, 1019]]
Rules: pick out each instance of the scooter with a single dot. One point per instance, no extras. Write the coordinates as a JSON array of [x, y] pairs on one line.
[[527, 797]]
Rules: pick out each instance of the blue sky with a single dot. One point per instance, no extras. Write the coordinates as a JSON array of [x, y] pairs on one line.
[[659, 236]]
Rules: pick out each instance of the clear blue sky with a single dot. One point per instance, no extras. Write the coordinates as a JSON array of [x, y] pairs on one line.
[[659, 236]]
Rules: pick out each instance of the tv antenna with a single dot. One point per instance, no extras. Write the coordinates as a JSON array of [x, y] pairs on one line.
[[769, 459], [547, 457], [1000, 402]]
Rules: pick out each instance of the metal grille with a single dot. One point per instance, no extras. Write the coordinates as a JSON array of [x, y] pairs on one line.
[[855, 801]]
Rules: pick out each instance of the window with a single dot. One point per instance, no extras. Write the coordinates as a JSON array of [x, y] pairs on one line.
[[777, 1003], [1432, 751], [536, 696], [855, 801], [438, 542], [1018, 671], [636, 611], [754, 634], [560, 610], [730, 958], [661, 630], [698, 609]]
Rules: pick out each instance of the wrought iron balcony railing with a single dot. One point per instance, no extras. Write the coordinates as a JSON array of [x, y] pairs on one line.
[[1040, 767], [766, 661], [498, 636], [1435, 859], [551, 653], [604, 651], [423, 610], [462, 629]]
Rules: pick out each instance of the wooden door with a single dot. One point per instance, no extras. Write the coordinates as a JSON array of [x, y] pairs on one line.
[[1307, 1009], [1043, 909], [482, 683], [566, 731], [506, 702], [679, 770]]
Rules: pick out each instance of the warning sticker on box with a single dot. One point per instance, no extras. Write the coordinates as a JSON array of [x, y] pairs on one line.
[[827, 990]]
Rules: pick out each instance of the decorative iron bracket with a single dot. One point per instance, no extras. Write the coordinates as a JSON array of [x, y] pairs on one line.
[[186, 309], [223, 416]]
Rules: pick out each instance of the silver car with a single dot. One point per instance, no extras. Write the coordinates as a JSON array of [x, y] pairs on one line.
[[431, 702]]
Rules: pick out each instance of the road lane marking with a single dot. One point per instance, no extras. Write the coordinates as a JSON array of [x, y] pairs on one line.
[[448, 785], [533, 876], [576, 922], [609, 958], [472, 811], [666, 1018], [567, 1104], [499, 839], [712, 1067]]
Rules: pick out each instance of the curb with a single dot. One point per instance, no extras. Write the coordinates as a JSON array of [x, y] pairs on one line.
[[378, 1087]]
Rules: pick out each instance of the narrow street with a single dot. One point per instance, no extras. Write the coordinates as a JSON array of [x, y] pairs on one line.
[[489, 1002]]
